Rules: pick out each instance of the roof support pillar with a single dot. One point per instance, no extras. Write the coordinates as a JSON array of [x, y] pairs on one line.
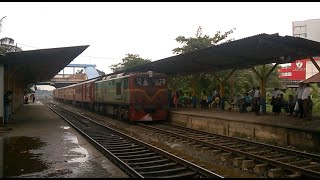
[[262, 79], [315, 64], [222, 87], [263, 82], [1, 93]]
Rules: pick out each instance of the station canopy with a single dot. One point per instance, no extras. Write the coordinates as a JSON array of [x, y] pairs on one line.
[[39, 65], [239, 54], [313, 79]]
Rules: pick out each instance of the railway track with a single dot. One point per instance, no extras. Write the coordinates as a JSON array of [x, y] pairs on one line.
[[261, 157], [136, 158]]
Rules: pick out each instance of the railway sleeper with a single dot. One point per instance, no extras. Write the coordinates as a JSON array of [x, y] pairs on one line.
[[262, 152], [131, 152], [186, 175], [261, 168], [115, 144], [237, 145], [286, 159], [295, 175], [301, 162], [216, 151], [225, 156], [106, 139], [238, 161], [121, 147], [275, 173], [156, 167], [312, 166], [110, 140], [103, 137], [219, 142], [276, 156], [248, 149], [135, 160], [171, 171], [131, 156], [226, 144], [248, 164], [126, 150], [148, 163]]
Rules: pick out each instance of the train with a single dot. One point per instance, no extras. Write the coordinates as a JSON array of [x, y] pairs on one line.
[[133, 97]]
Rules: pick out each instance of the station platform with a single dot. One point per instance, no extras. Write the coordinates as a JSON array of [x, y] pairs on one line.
[[276, 129], [38, 143]]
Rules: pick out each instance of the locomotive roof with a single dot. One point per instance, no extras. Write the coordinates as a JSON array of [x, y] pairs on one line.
[[240, 54], [123, 74]]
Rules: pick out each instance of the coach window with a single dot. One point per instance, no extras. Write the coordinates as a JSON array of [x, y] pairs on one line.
[[125, 84], [118, 88]]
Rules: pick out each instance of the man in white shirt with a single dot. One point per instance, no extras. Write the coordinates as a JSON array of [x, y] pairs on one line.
[[299, 98], [306, 99], [275, 94], [257, 95]]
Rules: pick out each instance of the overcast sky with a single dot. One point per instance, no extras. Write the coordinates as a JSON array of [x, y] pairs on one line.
[[113, 29]]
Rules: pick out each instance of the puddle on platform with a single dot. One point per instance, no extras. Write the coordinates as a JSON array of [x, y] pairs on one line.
[[65, 127], [80, 153], [18, 156], [83, 153]]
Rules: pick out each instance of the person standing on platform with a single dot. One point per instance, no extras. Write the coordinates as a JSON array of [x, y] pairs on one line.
[[299, 92], [306, 100], [251, 94], [7, 101], [257, 98], [32, 97]]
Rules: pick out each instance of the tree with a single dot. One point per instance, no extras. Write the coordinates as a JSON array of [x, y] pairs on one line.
[[203, 81], [200, 42], [6, 43], [129, 61]]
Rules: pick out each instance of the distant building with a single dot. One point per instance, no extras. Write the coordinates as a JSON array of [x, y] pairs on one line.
[[299, 70], [302, 69], [309, 29]]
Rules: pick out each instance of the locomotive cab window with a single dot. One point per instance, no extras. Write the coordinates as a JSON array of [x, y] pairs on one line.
[[118, 88], [125, 84], [150, 81]]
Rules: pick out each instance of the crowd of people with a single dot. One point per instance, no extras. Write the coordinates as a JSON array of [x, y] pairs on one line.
[[299, 105]]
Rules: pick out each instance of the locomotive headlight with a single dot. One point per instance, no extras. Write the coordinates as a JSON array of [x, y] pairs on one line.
[[150, 73]]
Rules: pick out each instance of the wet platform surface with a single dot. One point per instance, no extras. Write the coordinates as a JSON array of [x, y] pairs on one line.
[[41, 144]]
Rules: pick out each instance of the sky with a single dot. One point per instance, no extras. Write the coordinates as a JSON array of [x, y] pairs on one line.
[[113, 29]]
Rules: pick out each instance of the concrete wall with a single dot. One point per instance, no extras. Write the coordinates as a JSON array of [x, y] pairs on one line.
[[309, 29], [276, 134]]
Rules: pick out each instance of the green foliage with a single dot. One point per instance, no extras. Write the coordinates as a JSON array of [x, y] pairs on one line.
[[204, 80], [129, 61], [199, 42], [315, 96]]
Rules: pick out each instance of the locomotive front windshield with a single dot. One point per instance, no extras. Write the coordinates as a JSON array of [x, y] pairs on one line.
[[150, 81]]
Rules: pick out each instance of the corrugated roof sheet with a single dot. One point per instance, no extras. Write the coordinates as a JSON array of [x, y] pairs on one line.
[[240, 54], [39, 65], [313, 79]]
